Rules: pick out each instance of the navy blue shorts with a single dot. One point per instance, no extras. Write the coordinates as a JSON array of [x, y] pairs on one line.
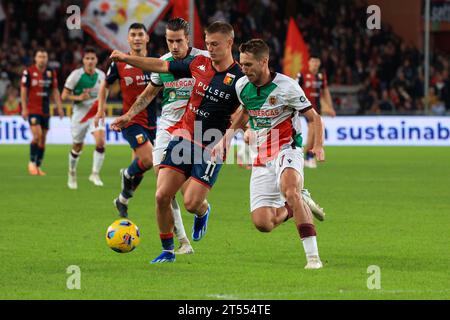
[[37, 119], [192, 160], [137, 135]]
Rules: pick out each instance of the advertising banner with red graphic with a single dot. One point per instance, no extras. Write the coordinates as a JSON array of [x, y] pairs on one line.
[[108, 21]]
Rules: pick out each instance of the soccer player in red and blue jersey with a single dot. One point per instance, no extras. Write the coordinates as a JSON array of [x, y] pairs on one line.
[[208, 114], [315, 85], [140, 132], [39, 84]]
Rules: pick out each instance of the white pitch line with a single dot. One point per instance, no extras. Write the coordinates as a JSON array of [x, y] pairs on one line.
[[262, 294]]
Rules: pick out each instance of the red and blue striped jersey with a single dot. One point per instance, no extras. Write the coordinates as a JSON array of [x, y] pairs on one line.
[[312, 85], [132, 82], [212, 102], [40, 86]]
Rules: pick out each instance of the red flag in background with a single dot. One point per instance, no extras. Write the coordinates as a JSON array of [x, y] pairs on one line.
[[181, 10], [296, 53]]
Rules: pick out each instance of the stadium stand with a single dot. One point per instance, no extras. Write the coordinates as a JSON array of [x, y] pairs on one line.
[[380, 72]]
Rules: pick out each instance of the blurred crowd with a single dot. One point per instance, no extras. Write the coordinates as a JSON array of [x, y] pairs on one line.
[[387, 71]]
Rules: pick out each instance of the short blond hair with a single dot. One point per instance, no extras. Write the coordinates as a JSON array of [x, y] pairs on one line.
[[220, 27]]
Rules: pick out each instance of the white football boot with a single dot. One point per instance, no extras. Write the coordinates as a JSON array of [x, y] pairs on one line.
[[311, 163], [95, 179], [313, 262], [72, 181], [185, 248], [316, 210]]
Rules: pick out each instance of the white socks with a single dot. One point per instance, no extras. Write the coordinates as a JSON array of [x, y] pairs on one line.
[[123, 199], [97, 163], [178, 221], [310, 246], [73, 160]]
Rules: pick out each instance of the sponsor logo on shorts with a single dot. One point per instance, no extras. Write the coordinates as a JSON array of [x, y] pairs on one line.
[[140, 138]]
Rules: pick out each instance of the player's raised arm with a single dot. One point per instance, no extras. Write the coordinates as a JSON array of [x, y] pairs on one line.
[[314, 118], [144, 63], [140, 104]]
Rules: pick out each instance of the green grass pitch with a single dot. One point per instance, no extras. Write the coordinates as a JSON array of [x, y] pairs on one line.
[[388, 207]]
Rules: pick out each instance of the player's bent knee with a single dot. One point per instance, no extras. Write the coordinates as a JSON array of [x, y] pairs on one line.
[[163, 199], [262, 222], [263, 226]]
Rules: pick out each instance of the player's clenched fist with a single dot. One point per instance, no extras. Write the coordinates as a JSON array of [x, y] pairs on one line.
[[117, 55]]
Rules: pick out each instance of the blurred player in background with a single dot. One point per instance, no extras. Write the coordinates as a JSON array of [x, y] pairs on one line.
[[210, 109], [140, 132], [272, 102], [315, 85], [82, 87], [39, 84], [176, 93]]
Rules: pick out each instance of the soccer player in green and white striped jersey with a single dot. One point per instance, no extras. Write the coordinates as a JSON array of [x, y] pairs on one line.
[[176, 93], [82, 87], [272, 103]]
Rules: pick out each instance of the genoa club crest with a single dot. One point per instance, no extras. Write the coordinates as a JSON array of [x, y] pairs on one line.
[[140, 138], [229, 79]]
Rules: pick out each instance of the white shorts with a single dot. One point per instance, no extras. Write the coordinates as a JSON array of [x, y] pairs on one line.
[[161, 142], [265, 181], [79, 130]]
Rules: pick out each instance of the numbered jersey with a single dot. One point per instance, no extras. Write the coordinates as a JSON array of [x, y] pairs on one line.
[[273, 112], [80, 81], [176, 92]]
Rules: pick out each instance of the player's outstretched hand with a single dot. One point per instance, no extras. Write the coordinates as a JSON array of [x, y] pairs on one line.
[[117, 55], [218, 151], [319, 153], [99, 118], [120, 122]]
